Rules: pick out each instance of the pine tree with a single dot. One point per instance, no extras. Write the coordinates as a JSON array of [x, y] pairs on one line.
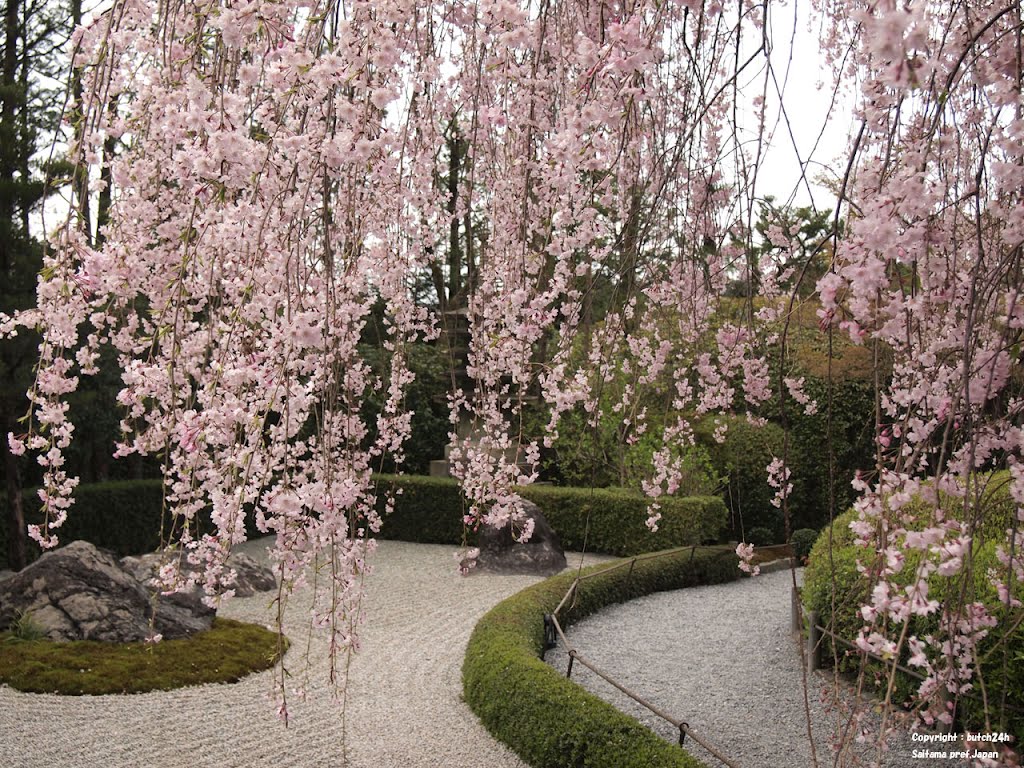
[[32, 36]]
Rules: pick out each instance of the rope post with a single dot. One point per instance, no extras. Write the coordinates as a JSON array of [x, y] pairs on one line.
[[572, 657], [813, 642], [682, 732], [550, 635], [798, 624]]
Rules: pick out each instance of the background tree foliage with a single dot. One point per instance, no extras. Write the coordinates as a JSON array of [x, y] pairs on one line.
[[31, 82]]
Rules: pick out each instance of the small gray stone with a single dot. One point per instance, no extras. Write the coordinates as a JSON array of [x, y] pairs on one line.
[[184, 612], [178, 613], [251, 577]]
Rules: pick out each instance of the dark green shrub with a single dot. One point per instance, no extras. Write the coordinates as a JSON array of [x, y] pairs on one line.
[[761, 537], [1001, 652], [548, 720], [838, 563], [851, 444], [424, 397], [122, 516], [617, 519], [743, 460], [802, 541], [611, 455], [125, 517], [426, 509]]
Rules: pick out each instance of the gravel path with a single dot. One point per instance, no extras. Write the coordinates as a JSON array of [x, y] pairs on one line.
[[404, 707], [723, 659]]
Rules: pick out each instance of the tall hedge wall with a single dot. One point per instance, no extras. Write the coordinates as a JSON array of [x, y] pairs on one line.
[[548, 720], [431, 509], [125, 516], [122, 516]]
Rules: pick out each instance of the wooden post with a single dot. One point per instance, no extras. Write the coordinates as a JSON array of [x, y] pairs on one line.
[[796, 611], [813, 642]]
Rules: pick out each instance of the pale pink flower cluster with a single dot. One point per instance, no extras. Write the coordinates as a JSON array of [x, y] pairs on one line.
[[276, 189], [778, 478], [745, 552]]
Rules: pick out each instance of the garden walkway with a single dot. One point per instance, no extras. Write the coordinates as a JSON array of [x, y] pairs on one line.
[[723, 659], [403, 710]]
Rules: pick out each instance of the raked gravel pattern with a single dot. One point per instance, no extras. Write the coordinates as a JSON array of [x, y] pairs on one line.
[[404, 706], [722, 658]]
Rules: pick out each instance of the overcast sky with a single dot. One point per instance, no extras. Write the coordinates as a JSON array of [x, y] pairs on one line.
[[804, 111]]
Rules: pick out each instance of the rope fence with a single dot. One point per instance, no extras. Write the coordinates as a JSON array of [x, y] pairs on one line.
[[801, 619], [553, 631]]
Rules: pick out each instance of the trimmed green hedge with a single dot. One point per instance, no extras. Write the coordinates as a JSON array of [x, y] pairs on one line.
[[618, 519], [548, 720], [124, 517], [430, 510]]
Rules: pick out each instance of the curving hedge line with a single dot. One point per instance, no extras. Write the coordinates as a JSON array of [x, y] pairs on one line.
[[550, 721]]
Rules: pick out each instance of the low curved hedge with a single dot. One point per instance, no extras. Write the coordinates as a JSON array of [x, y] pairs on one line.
[[548, 720]]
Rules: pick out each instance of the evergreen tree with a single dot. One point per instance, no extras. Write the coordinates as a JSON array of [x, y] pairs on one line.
[[32, 36]]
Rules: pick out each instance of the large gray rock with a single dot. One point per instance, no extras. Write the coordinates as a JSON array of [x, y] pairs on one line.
[[78, 592], [177, 614], [542, 554], [250, 576]]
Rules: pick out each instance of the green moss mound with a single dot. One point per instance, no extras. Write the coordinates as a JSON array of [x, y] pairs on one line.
[[226, 653], [835, 589], [548, 720]]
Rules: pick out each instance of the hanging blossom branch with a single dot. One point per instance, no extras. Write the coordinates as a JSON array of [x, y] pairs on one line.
[[616, 174], [256, 220], [930, 277], [276, 181]]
